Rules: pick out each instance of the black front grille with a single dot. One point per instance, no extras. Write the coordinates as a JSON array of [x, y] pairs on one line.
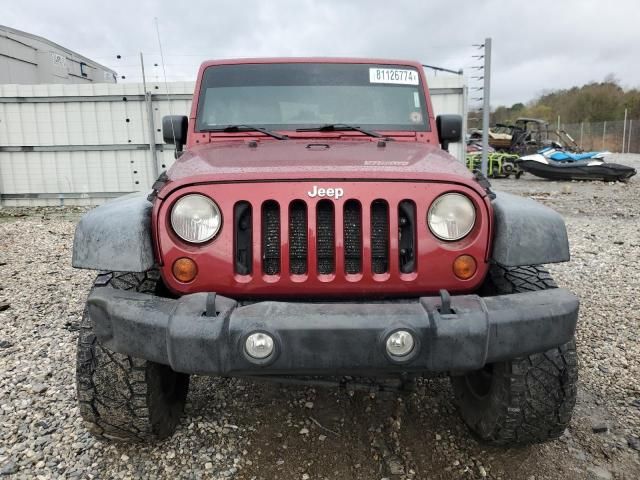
[[298, 237], [325, 237], [379, 236], [270, 238], [298, 218], [352, 237]]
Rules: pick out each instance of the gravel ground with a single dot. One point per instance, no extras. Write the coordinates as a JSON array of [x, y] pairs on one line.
[[245, 430]]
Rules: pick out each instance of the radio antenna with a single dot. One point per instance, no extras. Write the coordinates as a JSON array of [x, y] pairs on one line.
[[166, 86]]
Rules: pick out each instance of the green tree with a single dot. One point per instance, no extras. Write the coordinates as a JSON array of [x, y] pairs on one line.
[[593, 102]]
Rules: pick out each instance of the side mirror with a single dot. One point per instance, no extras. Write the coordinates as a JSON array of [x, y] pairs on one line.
[[449, 129], [174, 130]]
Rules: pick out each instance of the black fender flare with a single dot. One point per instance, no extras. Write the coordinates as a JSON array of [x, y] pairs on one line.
[[527, 232], [116, 236]]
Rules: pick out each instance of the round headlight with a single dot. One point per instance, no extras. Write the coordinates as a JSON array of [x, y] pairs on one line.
[[196, 218], [451, 216]]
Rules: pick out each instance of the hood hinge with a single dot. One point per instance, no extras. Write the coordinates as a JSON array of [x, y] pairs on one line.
[[484, 183], [160, 182]]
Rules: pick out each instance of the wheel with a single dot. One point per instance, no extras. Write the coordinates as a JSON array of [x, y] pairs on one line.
[[524, 400], [507, 168], [121, 397]]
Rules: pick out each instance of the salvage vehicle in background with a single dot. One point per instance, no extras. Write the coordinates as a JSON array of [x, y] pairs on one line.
[[499, 164], [316, 226], [559, 164]]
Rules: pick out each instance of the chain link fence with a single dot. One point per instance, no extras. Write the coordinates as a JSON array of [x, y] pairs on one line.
[[616, 136]]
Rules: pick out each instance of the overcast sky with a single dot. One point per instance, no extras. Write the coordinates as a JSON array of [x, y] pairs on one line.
[[537, 45]]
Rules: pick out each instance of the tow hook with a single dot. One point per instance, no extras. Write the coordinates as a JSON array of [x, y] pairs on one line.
[[445, 303], [211, 305]]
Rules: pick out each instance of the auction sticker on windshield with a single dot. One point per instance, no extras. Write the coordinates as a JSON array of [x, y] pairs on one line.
[[393, 75]]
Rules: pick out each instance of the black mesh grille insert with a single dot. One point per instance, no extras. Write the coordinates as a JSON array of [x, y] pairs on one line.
[[379, 236], [270, 238], [243, 237], [298, 237], [407, 236], [325, 237], [352, 237]]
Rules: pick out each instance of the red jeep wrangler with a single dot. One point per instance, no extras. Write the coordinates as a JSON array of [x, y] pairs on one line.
[[316, 226]]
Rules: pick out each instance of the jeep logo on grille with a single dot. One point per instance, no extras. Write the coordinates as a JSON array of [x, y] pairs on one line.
[[336, 193]]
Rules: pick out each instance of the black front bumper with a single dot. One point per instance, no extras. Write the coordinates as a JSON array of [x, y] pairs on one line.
[[202, 334]]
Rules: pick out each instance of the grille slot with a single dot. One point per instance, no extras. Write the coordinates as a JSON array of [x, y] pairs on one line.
[[352, 236], [271, 237], [298, 237], [325, 237], [243, 237], [379, 236], [407, 236]]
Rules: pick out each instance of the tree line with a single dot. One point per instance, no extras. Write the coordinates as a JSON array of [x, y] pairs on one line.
[[593, 102]]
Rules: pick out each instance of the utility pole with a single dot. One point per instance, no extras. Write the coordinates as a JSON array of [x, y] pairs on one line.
[[486, 108], [144, 78], [150, 124]]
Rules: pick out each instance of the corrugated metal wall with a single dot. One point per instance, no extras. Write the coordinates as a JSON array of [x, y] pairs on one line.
[[84, 144]]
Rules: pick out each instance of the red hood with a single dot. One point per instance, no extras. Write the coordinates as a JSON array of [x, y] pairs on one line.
[[235, 161]]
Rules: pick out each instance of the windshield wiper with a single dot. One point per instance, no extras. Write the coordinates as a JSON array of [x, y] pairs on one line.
[[246, 128], [336, 127]]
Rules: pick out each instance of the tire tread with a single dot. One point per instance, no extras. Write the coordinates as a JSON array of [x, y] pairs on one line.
[[533, 397], [116, 392]]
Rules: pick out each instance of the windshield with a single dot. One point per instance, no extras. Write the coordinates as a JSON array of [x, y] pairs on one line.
[[287, 96]]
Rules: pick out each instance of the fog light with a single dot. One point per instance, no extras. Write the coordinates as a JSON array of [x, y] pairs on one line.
[[400, 343], [259, 345], [464, 267], [184, 269]]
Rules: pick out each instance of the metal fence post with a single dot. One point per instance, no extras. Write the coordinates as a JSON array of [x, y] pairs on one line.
[[581, 133], [152, 135], [604, 132], [486, 108], [624, 130]]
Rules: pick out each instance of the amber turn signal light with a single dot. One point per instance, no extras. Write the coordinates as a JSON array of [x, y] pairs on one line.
[[184, 269], [464, 267]]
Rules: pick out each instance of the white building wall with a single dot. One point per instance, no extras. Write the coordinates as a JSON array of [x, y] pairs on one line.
[[27, 59], [83, 144], [449, 95]]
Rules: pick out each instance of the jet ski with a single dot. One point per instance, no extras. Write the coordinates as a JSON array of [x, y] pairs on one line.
[[556, 164]]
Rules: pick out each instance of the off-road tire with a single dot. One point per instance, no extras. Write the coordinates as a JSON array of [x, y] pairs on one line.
[[121, 397], [505, 280], [524, 400]]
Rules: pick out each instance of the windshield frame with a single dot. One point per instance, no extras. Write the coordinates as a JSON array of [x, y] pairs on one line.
[[419, 128]]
